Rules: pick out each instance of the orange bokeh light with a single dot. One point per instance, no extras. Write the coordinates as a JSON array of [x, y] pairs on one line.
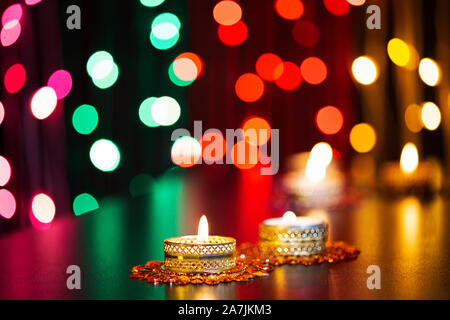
[[289, 9], [266, 66], [233, 35], [314, 70], [227, 13], [244, 155], [262, 131], [249, 87], [291, 77], [329, 120]]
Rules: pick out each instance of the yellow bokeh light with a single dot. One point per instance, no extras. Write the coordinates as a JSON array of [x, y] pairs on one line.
[[429, 72], [398, 51], [364, 70], [409, 159], [363, 137], [431, 116], [413, 118]]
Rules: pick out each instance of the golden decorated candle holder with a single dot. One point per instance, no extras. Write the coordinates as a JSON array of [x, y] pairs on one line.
[[191, 254], [293, 236]]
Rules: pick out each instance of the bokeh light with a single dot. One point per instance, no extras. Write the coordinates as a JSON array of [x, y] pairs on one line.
[[151, 3], [356, 2], [363, 137], [5, 171], [141, 185], [398, 52], [233, 35], [99, 64], [185, 69], [364, 70], [409, 159], [32, 2], [211, 142], [85, 119], [322, 153], [227, 12], [43, 103], [314, 70], [165, 31], [329, 120], [10, 33], [249, 87], [15, 78], [186, 152], [244, 155], [109, 80], [256, 131], [145, 112], [413, 118], [429, 72], [13, 12], [305, 33], [337, 7], [266, 66], [43, 208], [2, 112], [7, 204], [84, 203], [61, 82], [291, 77], [105, 155], [431, 116], [289, 9], [166, 111]]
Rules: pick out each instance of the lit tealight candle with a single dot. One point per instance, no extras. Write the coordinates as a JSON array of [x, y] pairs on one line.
[[200, 253], [315, 180], [410, 173], [292, 235]]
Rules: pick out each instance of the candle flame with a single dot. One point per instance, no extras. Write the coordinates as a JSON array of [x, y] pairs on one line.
[[203, 229], [289, 217], [319, 159], [409, 160], [315, 171]]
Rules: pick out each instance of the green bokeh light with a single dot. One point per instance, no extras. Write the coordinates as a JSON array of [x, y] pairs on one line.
[[141, 184], [145, 112], [84, 203], [164, 44], [85, 119], [96, 58], [151, 3], [109, 80], [166, 17]]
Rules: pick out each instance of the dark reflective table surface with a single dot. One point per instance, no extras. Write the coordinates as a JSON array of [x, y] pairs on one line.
[[406, 237]]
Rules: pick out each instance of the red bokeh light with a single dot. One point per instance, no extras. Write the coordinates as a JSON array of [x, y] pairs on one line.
[[266, 66], [233, 35], [290, 78], [289, 9], [15, 78], [337, 7], [305, 33]]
